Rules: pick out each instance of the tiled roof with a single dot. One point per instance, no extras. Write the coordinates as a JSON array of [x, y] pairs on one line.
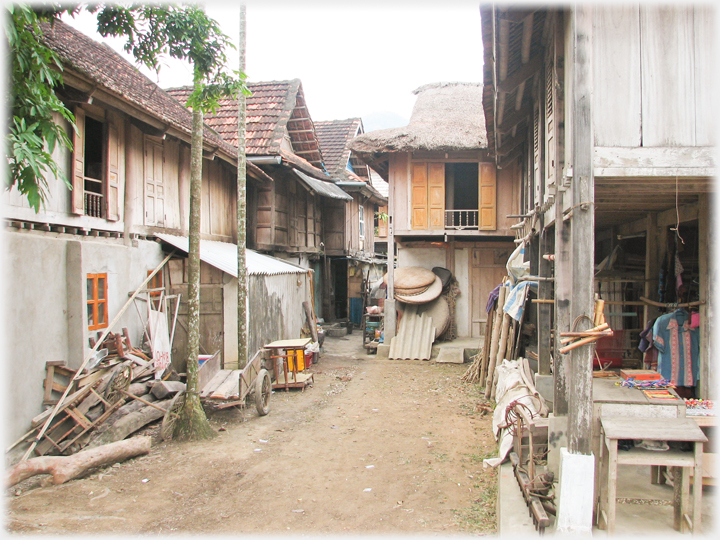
[[333, 136], [106, 67], [275, 109]]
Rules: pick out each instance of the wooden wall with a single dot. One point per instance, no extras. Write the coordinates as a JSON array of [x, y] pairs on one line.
[[653, 72]]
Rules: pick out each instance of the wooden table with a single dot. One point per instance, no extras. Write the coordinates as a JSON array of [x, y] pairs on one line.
[[614, 429], [283, 349]]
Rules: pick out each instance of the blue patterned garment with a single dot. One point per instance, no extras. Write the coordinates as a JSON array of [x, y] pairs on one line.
[[679, 348]]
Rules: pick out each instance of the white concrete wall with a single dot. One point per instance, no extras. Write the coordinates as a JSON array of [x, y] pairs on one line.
[[425, 257], [45, 315]]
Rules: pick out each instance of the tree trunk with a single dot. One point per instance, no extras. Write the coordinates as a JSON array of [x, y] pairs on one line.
[[192, 423], [242, 210], [64, 468], [129, 423]]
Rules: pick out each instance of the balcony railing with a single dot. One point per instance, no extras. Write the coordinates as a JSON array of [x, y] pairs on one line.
[[93, 204], [461, 219]]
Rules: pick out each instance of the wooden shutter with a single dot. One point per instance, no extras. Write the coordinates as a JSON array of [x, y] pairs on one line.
[[487, 204], [436, 195], [549, 124], [419, 186], [78, 164], [113, 172], [154, 186], [382, 223]]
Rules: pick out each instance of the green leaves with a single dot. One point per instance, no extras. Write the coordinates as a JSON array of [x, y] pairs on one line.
[[184, 32], [33, 133]]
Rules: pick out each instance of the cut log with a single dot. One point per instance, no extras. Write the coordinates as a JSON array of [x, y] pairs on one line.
[[163, 389], [138, 389], [130, 423], [64, 468]]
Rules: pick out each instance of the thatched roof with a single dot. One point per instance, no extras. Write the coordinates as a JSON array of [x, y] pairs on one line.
[[446, 117]]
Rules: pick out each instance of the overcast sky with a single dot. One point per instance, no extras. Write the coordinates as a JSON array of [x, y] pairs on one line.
[[353, 58]]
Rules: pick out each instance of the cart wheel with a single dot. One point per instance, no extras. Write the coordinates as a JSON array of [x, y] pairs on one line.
[[171, 415], [119, 381], [262, 392]]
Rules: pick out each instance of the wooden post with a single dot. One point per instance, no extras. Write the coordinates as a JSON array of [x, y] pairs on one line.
[[544, 311], [583, 234], [390, 319], [708, 274], [652, 267], [563, 293]]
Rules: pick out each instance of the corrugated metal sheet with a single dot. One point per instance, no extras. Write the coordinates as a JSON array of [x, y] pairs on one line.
[[415, 337], [324, 189], [223, 256]]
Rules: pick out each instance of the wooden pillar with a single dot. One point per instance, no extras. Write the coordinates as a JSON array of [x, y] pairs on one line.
[[563, 294], [583, 235], [544, 311], [390, 319], [708, 274], [652, 268]]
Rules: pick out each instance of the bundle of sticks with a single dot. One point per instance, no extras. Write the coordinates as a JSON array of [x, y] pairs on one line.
[[573, 340]]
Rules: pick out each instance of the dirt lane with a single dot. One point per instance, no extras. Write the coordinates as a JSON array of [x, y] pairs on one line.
[[375, 446]]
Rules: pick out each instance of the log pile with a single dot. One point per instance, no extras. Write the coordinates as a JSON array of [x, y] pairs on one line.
[[116, 394]]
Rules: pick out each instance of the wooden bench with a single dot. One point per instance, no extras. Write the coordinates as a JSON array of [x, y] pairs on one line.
[[614, 429]]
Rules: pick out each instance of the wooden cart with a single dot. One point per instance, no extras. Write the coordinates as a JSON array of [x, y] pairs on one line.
[[223, 388]]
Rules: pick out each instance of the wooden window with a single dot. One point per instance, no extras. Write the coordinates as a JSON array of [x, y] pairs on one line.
[[361, 215], [428, 196], [487, 195], [97, 310], [154, 183], [157, 282], [95, 168]]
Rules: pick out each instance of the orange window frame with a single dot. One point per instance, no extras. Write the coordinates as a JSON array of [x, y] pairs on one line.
[[157, 282], [97, 301]]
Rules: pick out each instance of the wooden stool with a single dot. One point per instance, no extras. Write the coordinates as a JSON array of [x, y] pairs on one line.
[[614, 429]]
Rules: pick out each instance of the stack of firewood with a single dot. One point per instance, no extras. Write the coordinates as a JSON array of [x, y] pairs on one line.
[[110, 400]]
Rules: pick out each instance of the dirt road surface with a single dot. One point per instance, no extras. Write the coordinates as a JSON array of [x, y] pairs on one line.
[[374, 446]]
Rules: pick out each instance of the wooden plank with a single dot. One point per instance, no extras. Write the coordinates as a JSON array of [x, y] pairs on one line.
[[653, 161], [230, 387], [660, 429], [215, 383], [668, 75], [616, 64]]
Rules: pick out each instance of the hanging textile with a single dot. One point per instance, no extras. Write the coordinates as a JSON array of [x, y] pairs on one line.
[[678, 346], [650, 359]]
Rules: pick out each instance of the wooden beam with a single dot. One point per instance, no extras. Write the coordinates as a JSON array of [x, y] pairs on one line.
[[522, 74], [512, 119], [509, 145], [516, 15]]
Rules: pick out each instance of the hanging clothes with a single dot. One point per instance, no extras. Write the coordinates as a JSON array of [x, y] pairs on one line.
[[650, 358], [678, 346]]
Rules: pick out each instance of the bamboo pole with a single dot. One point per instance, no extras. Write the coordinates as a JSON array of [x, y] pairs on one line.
[[91, 354], [487, 343], [583, 341], [495, 339]]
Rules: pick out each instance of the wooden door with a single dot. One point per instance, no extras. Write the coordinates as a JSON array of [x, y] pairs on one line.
[[419, 187], [113, 173], [487, 198], [154, 184], [436, 195], [486, 273]]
